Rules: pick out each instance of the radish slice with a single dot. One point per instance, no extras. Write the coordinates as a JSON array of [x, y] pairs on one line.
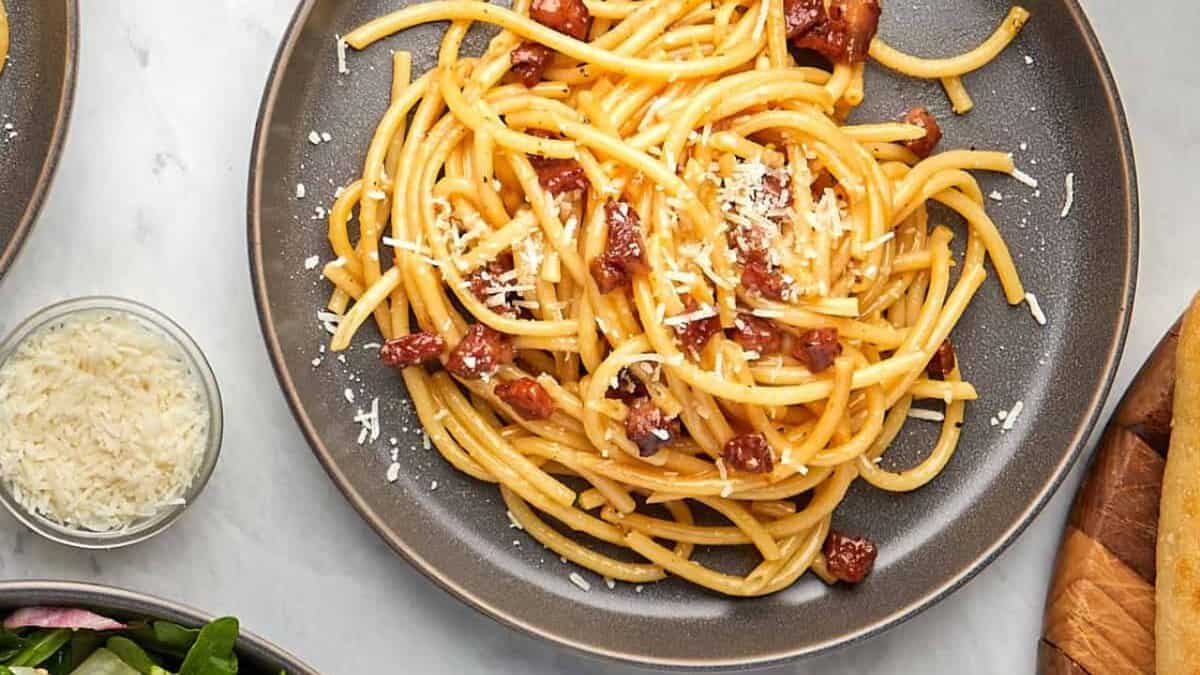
[[60, 617]]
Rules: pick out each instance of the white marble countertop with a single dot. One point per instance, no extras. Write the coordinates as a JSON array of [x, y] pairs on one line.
[[150, 204]]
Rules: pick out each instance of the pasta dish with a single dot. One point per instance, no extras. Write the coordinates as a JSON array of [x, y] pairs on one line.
[[635, 267]]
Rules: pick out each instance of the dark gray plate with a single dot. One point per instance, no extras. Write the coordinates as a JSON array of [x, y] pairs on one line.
[[36, 89], [264, 657], [1062, 105]]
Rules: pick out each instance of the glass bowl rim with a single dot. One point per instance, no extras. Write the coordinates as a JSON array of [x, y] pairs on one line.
[[198, 363]]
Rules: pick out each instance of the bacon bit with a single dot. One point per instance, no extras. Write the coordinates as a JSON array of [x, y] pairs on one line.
[[625, 254], [850, 559], [777, 186], [529, 61], [750, 453], [759, 277], [818, 348], [695, 334], [923, 147], [527, 398], [943, 361], [608, 276], [557, 176], [570, 17], [410, 350], [843, 33], [481, 353], [756, 335], [800, 16], [648, 427], [749, 242], [489, 277], [628, 388], [823, 181]]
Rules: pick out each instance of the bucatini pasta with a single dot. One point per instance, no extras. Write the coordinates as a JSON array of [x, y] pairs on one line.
[[3, 36], [662, 273]]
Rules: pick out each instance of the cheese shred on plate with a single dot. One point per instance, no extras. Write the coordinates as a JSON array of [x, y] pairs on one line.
[[102, 422]]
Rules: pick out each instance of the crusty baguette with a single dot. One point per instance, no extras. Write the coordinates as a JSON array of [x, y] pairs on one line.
[[1177, 594]]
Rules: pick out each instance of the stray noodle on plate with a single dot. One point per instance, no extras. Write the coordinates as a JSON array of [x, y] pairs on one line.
[[651, 255]]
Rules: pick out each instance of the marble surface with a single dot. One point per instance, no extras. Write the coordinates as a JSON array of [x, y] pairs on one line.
[[150, 203]]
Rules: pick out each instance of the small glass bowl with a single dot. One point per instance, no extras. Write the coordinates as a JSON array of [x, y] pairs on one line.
[[159, 323]]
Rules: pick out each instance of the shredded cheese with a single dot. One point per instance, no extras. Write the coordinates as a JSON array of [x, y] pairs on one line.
[[1035, 308], [102, 423], [1024, 178], [927, 415], [704, 312], [1013, 414], [1070, 199], [343, 69]]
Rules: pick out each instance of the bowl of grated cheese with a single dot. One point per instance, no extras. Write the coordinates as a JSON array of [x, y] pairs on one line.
[[110, 422]]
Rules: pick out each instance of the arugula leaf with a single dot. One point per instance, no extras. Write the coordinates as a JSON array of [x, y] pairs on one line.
[[41, 645], [9, 639], [104, 662], [132, 654], [164, 637], [59, 663], [83, 643], [212, 654], [10, 645]]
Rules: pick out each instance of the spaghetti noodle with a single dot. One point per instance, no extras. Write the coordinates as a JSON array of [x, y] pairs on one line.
[[3, 36], [661, 273]]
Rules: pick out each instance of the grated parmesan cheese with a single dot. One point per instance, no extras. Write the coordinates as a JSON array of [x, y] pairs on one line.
[[1024, 178], [513, 523], [102, 423], [927, 415], [579, 581], [343, 69], [704, 312], [1011, 418], [1035, 308], [1070, 200]]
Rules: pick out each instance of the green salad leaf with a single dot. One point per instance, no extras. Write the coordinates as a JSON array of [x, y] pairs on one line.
[[40, 646], [143, 648], [212, 653], [83, 643], [164, 637], [104, 662], [131, 653]]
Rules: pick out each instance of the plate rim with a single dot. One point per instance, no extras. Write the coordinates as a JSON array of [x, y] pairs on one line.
[[953, 581], [62, 123]]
